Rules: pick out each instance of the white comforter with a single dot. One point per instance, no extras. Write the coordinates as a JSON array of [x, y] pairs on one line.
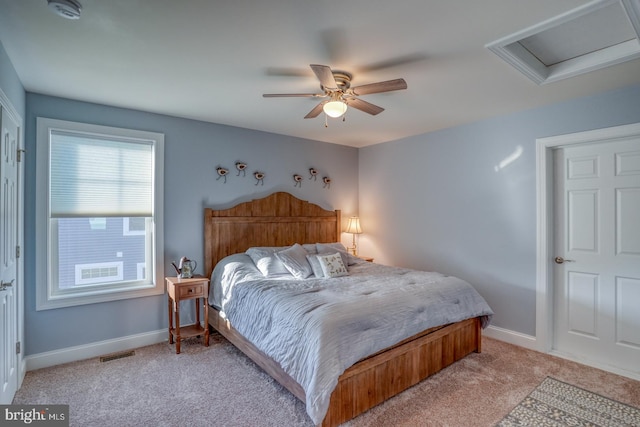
[[317, 328]]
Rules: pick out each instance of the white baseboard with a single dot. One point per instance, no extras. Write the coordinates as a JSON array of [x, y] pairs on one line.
[[96, 349], [511, 337], [22, 372]]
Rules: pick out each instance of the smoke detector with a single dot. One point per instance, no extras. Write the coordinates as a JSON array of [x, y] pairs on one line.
[[69, 9]]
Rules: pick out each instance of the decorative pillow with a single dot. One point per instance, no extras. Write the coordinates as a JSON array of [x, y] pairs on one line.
[[265, 259], [315, 266], [295, 261], [331, 248], [332, 265]]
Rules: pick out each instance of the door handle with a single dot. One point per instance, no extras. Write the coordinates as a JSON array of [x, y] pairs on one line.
[[5, 285], [560, 260]]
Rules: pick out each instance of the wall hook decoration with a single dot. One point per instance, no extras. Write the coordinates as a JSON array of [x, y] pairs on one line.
[[313, 172], [327, 182], [222, 172], [298, 179], [241, 166], [259, 176]]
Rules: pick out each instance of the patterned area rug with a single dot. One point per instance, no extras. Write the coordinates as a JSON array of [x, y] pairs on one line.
[[554, 403]]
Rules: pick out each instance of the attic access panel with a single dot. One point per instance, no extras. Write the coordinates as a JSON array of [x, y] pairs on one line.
[[597, 35]]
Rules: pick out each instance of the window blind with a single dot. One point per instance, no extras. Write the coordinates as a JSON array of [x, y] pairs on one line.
[[91, 176]]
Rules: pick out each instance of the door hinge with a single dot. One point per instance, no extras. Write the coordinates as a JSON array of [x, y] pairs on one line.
[[18, 347], [17, 251], [20, 151]]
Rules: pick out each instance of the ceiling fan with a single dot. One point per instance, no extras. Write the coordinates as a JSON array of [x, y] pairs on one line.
[[336, 87]]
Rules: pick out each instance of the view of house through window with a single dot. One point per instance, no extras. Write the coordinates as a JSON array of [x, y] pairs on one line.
[[90, 255], [100, 212]]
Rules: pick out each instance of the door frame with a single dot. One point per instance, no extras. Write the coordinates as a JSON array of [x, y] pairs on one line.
[[19, 287], [545, 249]]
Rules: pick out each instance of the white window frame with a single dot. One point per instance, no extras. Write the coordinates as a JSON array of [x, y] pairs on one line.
[[140, 270], [79, 268], [126, 231], [46, 297]]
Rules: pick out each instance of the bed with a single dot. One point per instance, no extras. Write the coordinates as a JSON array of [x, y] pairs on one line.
[[281, 220]]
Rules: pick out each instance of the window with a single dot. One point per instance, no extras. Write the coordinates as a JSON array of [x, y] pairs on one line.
[[89, 274], [133, 227], [98, 213]]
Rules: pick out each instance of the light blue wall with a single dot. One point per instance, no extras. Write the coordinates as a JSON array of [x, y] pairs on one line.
[[192, 152], [440, 201]]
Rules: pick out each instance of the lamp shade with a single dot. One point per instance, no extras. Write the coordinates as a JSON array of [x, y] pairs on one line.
[[334, 108], [353, 226]]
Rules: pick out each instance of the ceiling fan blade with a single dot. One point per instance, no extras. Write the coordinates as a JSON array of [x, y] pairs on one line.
[[365, 106], [316, 111], [284, 95], [394, 62], [379, 87], [286, 72], [325, 76]]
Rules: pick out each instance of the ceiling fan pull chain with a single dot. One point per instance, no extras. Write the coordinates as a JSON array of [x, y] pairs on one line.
[[326, 124]]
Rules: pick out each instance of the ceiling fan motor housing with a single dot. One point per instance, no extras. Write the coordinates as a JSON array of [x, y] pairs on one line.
[[69, 9], [342, 78]]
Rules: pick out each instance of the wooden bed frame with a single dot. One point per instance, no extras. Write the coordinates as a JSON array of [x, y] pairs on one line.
[[281, 220]]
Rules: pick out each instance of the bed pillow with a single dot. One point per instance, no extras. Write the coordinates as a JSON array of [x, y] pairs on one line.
[[315, 266], [295, 261], [331, 248], [310, 248], [265, 259], [332, 265]]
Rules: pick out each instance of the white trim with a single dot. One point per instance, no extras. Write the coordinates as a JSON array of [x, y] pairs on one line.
[[513, 53], [96, 349], [140, 272], [544, 222], [544, 215], [511, 337]]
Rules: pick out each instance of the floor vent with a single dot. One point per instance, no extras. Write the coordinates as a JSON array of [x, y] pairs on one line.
[[114, 356]]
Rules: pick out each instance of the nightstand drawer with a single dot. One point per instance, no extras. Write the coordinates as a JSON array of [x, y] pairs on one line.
[[193, 291]]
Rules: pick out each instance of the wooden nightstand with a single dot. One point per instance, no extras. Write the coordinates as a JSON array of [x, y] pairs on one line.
[[366, 258], [184, 289]]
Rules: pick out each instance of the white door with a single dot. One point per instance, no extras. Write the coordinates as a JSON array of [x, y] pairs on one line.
[[597, 240], [8, 262]]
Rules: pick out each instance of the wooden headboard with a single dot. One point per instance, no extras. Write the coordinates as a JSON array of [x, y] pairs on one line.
[[276, 220]]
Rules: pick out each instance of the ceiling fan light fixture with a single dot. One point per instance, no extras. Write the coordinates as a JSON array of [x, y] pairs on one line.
[[335, 109], [69, 9]]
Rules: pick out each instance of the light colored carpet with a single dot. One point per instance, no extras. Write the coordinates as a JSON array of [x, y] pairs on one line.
[[218, 386]]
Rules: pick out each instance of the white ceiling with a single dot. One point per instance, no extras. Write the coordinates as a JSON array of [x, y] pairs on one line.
[[212, 60]]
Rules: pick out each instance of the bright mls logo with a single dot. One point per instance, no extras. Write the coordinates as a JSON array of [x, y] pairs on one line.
[[36, 415]]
